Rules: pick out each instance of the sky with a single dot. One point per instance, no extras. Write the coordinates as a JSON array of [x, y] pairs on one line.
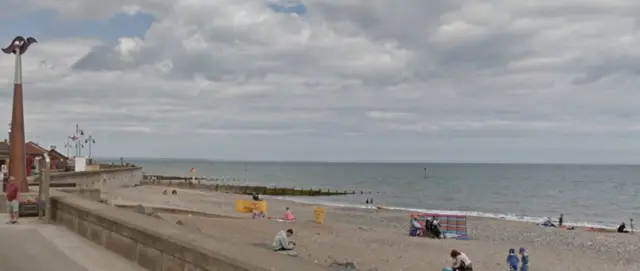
[[332, 80]]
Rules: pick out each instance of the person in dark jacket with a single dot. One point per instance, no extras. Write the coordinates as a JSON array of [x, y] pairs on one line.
[[512, 260]]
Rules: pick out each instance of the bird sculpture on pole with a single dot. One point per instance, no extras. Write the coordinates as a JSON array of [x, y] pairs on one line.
[[17, 156]]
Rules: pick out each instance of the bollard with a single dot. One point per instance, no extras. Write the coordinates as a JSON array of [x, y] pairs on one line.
[[43, 193]]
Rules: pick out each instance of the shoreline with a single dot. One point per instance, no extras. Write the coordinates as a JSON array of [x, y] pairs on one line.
[[497, 216], [378, 239], [325, 200]]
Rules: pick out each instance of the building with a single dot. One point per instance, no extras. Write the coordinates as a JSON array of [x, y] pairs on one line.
[[33, 151], [4, 154]]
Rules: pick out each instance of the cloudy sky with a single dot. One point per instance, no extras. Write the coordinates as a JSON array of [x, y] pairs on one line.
[[333, 80]]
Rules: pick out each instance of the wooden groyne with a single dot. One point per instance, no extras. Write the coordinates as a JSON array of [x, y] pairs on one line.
[[250, 189], [177, 178]]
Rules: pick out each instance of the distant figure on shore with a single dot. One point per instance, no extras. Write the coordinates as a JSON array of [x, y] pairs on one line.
[[174, 192], [560, 219], [512, 260], [288, 215], [524, 259], [256, 196], [460, 261], [622, 228], [548, 223], [367, 202], [371, 201], [164, 193], [281, 242]]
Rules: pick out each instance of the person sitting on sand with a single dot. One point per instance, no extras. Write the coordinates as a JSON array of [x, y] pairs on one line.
[[547, 223], [435, 228], [524, 259], [512, 260], [174, 192], [288, 216], [164, 193], [460, 261], [415, 226], [256, 196], [281, 242], [622, 228]]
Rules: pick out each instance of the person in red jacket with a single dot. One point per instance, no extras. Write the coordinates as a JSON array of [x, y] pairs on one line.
[[12, 193]]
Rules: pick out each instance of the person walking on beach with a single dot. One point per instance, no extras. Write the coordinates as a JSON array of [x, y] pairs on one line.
[[524, 259], [460, 261], [12, 194], [512, 260], [282, 243]]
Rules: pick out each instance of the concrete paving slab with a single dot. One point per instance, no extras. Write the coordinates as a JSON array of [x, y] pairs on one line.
[[32, 246]]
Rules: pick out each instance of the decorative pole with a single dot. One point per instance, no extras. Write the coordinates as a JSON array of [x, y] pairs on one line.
[[79, 134], [67, 145], [90, 140], [17, 157]]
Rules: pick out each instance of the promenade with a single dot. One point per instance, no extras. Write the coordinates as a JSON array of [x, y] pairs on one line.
[[31, 246]]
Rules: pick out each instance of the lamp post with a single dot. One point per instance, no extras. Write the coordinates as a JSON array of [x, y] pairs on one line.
[[90, 141], [76, 140], [17, 162]]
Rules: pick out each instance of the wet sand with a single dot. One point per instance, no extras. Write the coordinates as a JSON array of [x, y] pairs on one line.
[[377, 239]]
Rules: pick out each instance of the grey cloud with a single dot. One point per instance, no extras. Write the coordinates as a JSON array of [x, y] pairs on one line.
[[350, 79]]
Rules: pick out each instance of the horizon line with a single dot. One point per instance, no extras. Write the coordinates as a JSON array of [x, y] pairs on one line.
[[369, 161]]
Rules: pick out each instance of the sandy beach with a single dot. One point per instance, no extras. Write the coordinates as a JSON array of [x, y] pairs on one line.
[[377, 239]]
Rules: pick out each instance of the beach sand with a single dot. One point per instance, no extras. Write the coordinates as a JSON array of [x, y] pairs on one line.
[[378, 239]]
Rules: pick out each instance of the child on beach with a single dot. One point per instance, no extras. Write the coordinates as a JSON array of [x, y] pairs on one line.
[[512, 260], [288, 216], [524, 259]]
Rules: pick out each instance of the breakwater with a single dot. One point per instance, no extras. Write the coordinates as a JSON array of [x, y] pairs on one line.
[[182, 183]]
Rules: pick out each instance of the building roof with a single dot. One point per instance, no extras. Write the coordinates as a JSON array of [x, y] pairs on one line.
[[33, 148], [56, 155], [38, 147], [30, 148]]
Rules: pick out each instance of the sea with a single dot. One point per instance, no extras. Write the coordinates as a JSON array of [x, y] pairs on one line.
[[587, 195]]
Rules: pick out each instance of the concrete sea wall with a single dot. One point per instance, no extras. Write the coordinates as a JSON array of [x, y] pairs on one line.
[[103, 179], [156, 244]]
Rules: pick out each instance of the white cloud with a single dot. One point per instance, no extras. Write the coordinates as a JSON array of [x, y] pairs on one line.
[[218, 71]]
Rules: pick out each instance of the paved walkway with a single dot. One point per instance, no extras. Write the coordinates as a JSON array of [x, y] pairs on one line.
[[31, 246]]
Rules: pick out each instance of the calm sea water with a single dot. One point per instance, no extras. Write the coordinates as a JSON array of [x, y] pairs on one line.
[[586, 194]]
